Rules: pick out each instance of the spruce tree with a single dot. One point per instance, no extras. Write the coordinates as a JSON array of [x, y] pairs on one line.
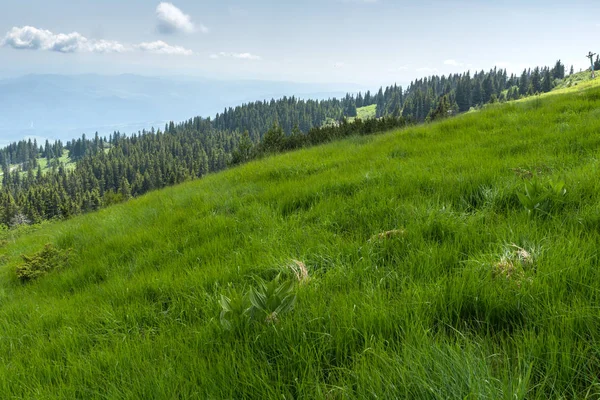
[[125, 189], [536, 80], [558, 72], [380, 111], [273, 140], [547, 83], [524, 83]]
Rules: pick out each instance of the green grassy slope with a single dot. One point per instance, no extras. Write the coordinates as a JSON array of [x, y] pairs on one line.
[[578, 78], [366, 112], [466, 296]]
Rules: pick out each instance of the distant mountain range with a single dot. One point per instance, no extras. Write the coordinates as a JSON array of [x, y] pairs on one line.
[[65, 106]]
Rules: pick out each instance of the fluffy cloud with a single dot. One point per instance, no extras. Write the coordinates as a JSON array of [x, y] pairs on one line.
[[453, 63], [172, 20], [241, 56], [31, 38], [160, 47]]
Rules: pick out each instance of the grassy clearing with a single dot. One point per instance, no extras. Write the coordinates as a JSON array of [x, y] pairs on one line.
[[366, 112], [43, 163], [428, 276], [64, 159], [582, 80]]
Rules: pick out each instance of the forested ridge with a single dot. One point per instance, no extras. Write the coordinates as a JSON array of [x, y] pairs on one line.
[[112, 169]]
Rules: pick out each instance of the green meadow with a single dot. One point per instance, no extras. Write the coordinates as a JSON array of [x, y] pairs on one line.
[[64, 160], [453, 260], [366, 112]]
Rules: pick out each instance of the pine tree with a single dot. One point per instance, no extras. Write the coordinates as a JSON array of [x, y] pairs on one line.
[[244, 151], [125, 189], [558, 72], [547, 83], [394, 108], [380, 111], [524, 83], [536, 81], [463, 93], [478, 93], [441, 110], [273, 140], [488, 89]]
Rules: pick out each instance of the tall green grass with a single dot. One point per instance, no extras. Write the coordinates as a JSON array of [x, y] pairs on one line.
[[428, 276]]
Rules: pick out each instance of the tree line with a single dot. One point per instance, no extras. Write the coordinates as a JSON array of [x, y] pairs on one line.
[[112, 169]]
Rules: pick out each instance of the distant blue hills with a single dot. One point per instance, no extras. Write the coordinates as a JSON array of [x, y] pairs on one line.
[[65, 106]]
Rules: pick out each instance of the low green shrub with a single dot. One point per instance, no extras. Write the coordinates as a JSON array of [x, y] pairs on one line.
[[40, 263], [542, 198]]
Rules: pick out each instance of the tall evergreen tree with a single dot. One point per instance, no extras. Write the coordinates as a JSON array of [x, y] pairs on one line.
[[548, 81], [536, 81], [524, 83], [558, 72]]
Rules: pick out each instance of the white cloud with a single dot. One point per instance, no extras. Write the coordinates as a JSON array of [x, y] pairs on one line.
[[172, 20], [240, 56], [339, 65], [453, 63], [30, 38], [160, 47]]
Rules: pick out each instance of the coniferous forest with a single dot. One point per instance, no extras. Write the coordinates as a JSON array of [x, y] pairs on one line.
[[112, 169]]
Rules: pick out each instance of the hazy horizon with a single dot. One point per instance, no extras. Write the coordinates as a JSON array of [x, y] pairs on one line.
[[249, 51], [365, 42], [64, 106]]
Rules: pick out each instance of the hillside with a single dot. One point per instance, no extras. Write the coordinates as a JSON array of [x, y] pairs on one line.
[[446, 260], [114, 168]]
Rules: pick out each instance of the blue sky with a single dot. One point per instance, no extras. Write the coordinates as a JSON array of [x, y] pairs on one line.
[[368, 42]]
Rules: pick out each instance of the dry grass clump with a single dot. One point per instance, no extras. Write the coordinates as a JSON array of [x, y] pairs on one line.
[[522, 173], [524, 256], [517, 265], [388, 234], [299, 269]]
